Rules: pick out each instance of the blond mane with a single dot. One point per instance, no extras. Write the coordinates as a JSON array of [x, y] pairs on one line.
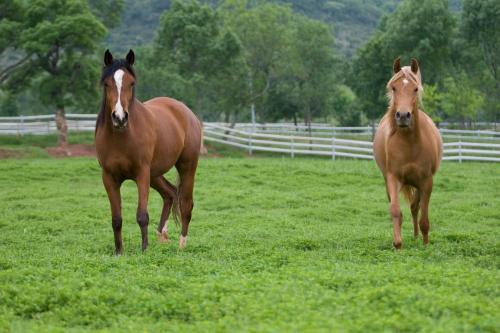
[[406, 73]]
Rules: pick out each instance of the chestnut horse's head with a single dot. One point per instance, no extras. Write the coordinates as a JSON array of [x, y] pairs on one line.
[[404, 91], [118, 79]]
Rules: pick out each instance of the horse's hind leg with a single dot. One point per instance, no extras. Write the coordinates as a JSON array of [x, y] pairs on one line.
[[415, 206], [426, 191], [187, 172], [168, 193]]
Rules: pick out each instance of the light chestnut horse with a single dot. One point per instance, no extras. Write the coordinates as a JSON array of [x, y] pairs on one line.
[[142, 141], [408, 149]]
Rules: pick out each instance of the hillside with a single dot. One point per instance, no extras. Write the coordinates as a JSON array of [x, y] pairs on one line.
[[352, 21]]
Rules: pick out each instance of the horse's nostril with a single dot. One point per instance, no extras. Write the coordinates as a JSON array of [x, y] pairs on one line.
[[408, 115], [398, 115]]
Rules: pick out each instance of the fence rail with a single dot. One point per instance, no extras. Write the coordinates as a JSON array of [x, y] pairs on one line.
[[255, 139], [317, 139]]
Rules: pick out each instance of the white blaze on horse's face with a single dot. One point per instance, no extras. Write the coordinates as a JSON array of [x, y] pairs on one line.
[[119, 112]]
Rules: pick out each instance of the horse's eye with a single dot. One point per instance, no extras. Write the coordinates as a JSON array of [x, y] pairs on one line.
[[416, 89], [133, 84], [394, 89]]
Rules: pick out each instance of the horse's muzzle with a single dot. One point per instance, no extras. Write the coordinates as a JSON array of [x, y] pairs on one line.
[[403, 119], [119, 123]]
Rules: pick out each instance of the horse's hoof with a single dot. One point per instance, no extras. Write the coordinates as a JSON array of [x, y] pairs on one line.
[[162, 236], [182, 242], [397, 246]]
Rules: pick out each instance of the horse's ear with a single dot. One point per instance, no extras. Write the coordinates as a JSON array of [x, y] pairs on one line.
[[414, 65], [130, 57], [396, 66], [108, 58]]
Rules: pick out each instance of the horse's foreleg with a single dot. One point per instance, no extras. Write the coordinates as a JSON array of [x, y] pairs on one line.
[[168, 192], [186, 199], [424, 204], [113, 190], [415, 206], [143, 183], [393, 188]]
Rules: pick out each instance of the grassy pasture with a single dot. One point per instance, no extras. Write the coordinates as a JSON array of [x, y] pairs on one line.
[[276, 244]]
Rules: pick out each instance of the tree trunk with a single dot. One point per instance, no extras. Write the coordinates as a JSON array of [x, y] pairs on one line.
[[62, 127]]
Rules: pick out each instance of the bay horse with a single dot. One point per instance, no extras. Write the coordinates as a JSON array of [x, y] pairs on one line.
[[141, 142], [407, 149]]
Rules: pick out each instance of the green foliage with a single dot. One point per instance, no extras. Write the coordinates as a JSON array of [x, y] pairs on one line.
[[481, 29], [421, 30], [59, 38], [279, 245], [108, 12], [369, 76], [11, 16], [432, 102], [345, 107], [192, 42], [461, 101]]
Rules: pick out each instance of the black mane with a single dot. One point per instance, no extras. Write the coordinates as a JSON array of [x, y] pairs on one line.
[[107, 71]]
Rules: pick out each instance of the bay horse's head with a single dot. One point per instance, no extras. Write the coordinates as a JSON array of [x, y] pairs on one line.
[[404, 90], [118, 79]]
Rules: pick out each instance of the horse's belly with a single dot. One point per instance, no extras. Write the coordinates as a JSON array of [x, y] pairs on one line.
[[163, 160]]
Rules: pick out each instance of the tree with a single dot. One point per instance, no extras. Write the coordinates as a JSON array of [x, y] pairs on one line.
[[59, 38], [11, 22], [369, 76], [423, 30], [315, 67], [481, 28], [419, 29], [192, 41], [265, 33], [432, 102], [345, 107], [460, 100]]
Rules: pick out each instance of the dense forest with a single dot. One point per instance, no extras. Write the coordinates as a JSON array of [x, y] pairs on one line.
[[243, 60]]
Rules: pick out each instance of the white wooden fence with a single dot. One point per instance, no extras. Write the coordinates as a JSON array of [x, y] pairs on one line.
[[317, 139], [330, 141]]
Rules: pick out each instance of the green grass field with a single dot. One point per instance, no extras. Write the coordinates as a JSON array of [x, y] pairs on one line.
[[275, 245]]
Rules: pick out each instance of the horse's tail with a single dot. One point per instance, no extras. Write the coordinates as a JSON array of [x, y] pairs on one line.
[[176, 206], [409, 193]]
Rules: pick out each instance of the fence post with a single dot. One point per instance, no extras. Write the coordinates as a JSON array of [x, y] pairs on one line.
[[22, 126], [250, 144], [293, 147], [460, 151], [333, 148]]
